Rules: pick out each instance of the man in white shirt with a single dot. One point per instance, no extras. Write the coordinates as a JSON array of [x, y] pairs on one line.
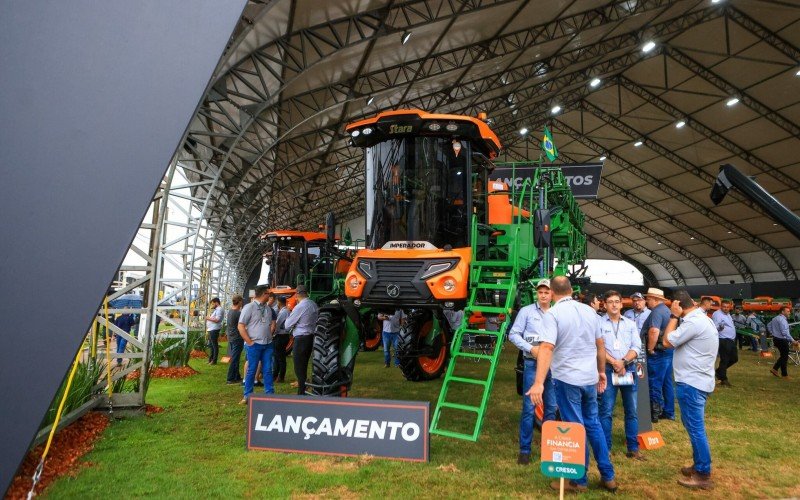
[[696, 344], [214, 326], [391, 329], [573, 347]]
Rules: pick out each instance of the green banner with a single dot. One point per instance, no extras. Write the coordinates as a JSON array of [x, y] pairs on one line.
[[567, 471]]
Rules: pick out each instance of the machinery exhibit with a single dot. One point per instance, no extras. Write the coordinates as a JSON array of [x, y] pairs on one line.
[[414, 168]]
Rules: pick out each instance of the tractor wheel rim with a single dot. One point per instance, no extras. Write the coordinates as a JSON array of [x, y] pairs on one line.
[[431, 365]]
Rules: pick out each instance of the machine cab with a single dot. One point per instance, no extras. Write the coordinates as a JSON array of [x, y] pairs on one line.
[[298, 258]]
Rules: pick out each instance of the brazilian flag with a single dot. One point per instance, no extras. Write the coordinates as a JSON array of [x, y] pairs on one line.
[[548, 146]]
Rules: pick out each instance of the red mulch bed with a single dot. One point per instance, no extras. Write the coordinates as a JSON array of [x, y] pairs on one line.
[[150, 409], [69, 445], [168, 372], [198, 354], [173, 372]]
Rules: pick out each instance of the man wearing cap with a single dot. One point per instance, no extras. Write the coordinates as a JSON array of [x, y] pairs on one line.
[[302, 322], [256, 326], [728, 355], [623, 345], [659, 358], [572, 342], [526, 335], [639, 312]]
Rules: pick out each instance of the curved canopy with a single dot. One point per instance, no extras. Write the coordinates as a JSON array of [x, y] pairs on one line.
[[718, 84]]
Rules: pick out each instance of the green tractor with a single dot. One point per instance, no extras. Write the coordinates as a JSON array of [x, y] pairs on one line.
[[441, 237]]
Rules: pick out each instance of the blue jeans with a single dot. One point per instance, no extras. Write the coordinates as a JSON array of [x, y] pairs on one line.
[[390, 340], [579, 404], [659, 374], [526, 418], [255, 353], [693, 411], [235, 349], [121, 343], [606, 403]]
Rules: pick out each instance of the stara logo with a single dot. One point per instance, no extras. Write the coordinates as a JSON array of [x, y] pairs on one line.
[[564, 430]]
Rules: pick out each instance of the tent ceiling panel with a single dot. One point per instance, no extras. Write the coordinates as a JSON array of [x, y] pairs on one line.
[[780, 93], [297, 72]]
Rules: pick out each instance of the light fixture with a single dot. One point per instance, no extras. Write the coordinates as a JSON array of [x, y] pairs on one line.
[[716, 1], [691, 238], [595, 82], [798, 73], [555, 109], [729, 232], [659, 242], [602, 158], [523, 131], [647, 47], [406, 36], [638, 143], [680, 124], [732, 101], [370, 100]]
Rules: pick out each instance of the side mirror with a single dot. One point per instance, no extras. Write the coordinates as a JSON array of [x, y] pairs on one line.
[[541, 234], [330, 228]]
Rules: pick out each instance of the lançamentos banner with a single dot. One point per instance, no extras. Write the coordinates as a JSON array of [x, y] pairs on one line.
[[583, 178], [332, 426]]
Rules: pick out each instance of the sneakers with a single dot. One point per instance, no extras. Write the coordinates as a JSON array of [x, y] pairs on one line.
[[687, 471], [664, 416], [524, 459], [636, 455], [569, 486], [774, 372], [243, 401], [386, 365], [697, 481]]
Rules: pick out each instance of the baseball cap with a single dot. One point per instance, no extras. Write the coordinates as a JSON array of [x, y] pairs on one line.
[[543, 282], [637, 295]]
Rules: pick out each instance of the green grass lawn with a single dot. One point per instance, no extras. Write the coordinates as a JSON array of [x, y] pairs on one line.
[[196, 448]]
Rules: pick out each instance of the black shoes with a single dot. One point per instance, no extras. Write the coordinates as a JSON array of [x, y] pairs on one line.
[[524, 459]]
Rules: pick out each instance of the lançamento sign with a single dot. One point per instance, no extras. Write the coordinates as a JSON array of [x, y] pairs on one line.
[[328, 426]]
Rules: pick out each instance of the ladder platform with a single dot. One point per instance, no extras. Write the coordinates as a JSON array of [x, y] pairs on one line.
[[459, 406], [472, 355]]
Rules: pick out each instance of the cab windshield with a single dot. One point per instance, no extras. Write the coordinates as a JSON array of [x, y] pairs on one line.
[[418, 191], [286, 263]]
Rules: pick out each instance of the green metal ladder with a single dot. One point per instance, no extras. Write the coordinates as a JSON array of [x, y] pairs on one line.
[[486, 277]]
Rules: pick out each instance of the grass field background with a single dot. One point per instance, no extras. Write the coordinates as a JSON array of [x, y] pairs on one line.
[[196, 447]]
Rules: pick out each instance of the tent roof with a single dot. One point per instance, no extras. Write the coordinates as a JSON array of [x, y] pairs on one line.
[[272, 125]]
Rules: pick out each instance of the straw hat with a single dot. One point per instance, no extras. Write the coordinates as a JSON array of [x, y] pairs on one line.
[[655, 292]]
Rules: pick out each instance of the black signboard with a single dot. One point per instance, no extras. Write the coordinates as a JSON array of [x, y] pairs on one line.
[[339, 426], [583, 178]]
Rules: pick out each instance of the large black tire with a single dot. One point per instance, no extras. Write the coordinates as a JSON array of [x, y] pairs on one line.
[[411, 340], [327, 377], [373, 331]]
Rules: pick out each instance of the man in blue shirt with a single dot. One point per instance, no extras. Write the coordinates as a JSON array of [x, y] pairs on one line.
[[639, 312], [728, 355], [572, 344], [623, 345], [659, 358], [779, 328], [526, 335], [301, 323]]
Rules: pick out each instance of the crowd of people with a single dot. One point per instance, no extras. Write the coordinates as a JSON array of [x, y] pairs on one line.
[[263, 329], [579, 361]]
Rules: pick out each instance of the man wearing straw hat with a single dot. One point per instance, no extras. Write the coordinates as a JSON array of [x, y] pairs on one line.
[[659, 358]]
